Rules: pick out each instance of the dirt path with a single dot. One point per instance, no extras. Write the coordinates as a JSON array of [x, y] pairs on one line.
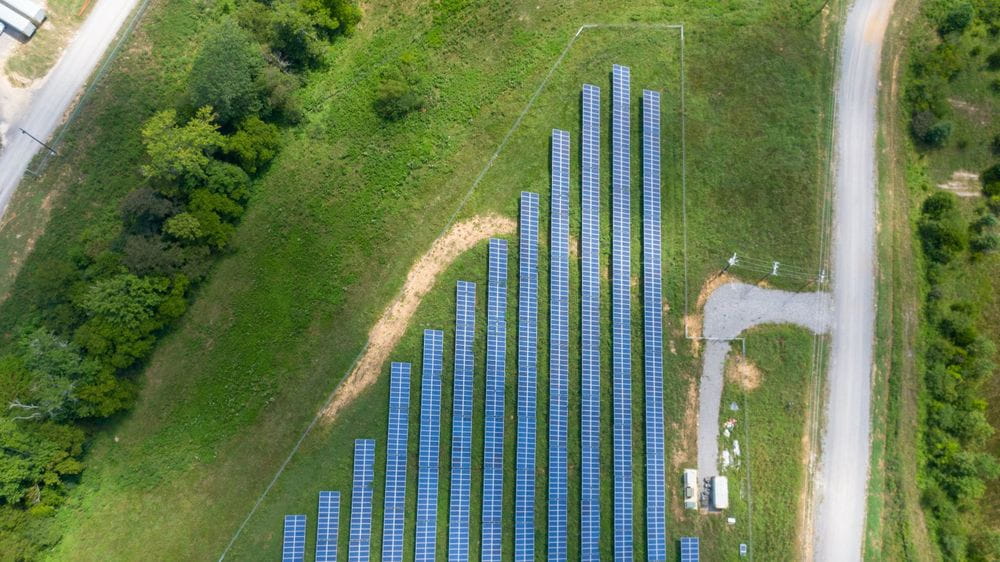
[[391, 326]]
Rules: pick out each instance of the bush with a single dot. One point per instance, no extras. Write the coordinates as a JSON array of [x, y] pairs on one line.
[[956, 19], [253, 145], [395, 98], [993, 60], [942, 230], [928, 131], [990, 179]]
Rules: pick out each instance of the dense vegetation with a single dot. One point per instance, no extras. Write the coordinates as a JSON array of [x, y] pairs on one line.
[[955, 49], [129, 277]]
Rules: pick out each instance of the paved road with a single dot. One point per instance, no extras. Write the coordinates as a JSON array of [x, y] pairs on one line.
[[730, 310], [843, 470], [50, 102]]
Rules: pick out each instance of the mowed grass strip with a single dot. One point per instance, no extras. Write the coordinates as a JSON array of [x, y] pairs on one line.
[[351, 202]]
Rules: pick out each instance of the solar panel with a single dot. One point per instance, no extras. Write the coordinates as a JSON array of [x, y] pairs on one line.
[[496, 350], [461, 426], [558, 345], [327, 525], [430, 444], [527, 386], [689, 549], [621, 311], [656, 501], [359, 548], [394, 512], [590, 321], [293, 544]]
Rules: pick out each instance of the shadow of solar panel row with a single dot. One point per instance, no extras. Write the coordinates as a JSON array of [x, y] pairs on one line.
[[621, 312], [496, 352], [689, 549], [430, 443], [558, 344], [293, 542], [327, 525], [527, 376], [394, 510], [359, 548], [590, 325], [461, 428], [656, 516]]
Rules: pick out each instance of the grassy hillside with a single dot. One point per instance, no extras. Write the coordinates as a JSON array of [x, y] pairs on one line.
[[352, 201]]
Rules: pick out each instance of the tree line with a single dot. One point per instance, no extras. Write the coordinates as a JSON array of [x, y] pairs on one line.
[[117, 293]]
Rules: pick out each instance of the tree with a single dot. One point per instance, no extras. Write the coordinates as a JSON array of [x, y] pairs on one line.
[[956, 18], [279, 88], [180, 152], [184, 227], [990, 179], [225, 74], [293, 35], [928, 130], [254, 144], [143, 210], [229, 180], [122, 314], [332, 16], [34, 456]]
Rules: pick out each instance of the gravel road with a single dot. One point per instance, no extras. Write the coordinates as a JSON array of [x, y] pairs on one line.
[[57, 91], [731, 309], [840, 485]]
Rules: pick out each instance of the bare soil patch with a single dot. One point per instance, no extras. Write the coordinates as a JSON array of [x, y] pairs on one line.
[[963, 183], [391, 326], [744, 372]]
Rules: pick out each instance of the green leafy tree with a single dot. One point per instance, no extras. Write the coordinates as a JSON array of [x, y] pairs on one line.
[[225, 74], [180, 152], [293, 36], [34, 456], [254, 144], [229, 180], [184, 227], [122, 313]]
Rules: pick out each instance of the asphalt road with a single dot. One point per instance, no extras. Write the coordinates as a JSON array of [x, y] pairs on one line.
[[842, 479], [50, 102]]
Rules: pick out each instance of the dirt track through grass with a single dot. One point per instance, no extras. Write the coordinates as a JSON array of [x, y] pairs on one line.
[[391, 326]]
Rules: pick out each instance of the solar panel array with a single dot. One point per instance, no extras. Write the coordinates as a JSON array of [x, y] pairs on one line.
[[590, 321], [430, 444], [394, 512], [359, 548], [327, 525], [527, 386], [621, 311], [656, 501], [496, 352], [689, 549], [461, 425], [293, 543], [558, 345]]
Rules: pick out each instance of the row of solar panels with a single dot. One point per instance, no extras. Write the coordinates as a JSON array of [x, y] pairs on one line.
[[458, 548]]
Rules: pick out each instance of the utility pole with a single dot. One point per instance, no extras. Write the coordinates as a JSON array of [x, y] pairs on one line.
[[36, 139], [732, 261], [774, 272]]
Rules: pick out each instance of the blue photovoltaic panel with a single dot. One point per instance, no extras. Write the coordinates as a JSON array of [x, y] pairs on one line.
[[327, 525], [656, 500], [689, 549], [621, 311], [461, 423], [496, 351], [395, 463], [430, 443], [527, 363], [359, 548], [590, 322], [558, 345], [293, 544]]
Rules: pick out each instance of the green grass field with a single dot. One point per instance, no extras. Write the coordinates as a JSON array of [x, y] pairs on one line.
[[351, 202]]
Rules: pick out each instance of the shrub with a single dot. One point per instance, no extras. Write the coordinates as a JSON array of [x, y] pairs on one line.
[[957, 17], [928, 131], [395, 98], [990, 179], [254, 144]]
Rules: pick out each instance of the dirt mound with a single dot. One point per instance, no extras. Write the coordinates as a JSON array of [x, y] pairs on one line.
[[744, 372], [391, 326]]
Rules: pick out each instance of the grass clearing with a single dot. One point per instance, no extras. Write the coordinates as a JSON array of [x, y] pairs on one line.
[[229, 391]]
